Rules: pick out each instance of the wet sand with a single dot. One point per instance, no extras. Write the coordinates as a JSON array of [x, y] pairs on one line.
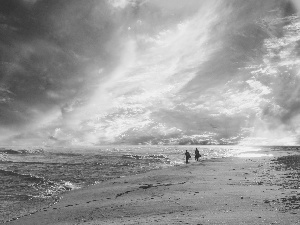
[[258, 190]]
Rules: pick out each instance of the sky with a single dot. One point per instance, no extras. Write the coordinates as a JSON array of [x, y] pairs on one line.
[[95, 72]]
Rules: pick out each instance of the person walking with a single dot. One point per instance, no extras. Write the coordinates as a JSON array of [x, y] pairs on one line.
[[187, 156], [197, 154]]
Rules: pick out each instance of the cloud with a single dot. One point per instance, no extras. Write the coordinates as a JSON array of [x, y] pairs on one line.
[[121, 3], [98, 72]]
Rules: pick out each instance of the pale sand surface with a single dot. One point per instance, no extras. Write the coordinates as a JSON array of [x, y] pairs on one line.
[[219, 191]]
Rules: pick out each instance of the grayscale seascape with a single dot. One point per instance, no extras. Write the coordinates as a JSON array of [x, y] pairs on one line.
[[104, 105]]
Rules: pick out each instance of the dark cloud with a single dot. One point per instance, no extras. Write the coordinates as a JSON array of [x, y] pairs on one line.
[[51, 51], [146, 71]]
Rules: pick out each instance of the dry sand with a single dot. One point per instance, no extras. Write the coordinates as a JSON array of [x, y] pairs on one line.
[[219, 191]]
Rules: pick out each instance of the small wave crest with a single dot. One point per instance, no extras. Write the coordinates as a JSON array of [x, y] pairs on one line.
[[36, 187], [15, 197], [66, 154], [3, 157], [27, 177], [21, 151], [57, 188], [9, 151], [158, 157]]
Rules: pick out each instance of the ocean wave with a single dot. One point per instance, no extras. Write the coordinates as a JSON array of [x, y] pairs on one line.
[[40, 187], [21, 151], [41, 163], [16, 197], [158, 157], [57, 188], [9, 151], [3, 157], [27, 177], [65, 154]]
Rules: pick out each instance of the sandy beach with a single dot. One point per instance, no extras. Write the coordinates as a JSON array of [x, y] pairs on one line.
[[255, 190]]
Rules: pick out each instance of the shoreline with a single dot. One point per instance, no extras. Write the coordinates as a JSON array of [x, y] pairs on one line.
[[217, 191]]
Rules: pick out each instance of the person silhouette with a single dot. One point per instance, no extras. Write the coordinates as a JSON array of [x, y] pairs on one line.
[[187, 156], [197, 154]]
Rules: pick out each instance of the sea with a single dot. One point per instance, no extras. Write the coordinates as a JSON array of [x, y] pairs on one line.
[[33, 178]]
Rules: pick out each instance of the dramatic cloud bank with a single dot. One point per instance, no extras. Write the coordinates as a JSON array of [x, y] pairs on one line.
[[95, 72]]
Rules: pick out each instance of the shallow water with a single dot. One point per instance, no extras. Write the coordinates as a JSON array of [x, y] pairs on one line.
[[32, 179]]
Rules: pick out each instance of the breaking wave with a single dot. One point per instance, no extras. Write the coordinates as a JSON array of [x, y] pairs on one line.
[[31, 186]]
